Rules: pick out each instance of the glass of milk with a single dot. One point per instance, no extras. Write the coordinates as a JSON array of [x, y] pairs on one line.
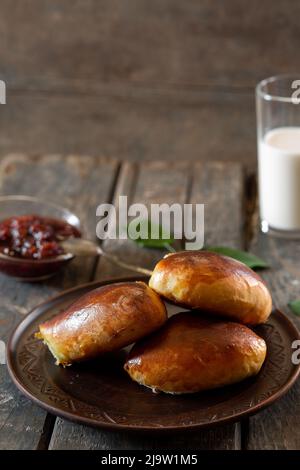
[[278, 137]]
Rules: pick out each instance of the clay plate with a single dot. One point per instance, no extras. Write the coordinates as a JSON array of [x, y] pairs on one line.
[[99, 392]]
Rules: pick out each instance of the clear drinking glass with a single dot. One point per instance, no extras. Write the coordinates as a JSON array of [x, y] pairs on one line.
[[278, 142]]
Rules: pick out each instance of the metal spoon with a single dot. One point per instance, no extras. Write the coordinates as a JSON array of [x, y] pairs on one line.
[[80, 247]]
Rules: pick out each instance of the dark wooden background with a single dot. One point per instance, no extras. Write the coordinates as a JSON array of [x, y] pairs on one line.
[[138, 79], [141, 80]]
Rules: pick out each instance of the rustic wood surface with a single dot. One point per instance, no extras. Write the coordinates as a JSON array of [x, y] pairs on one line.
[[170, 42], [137, 79], [278, 428], [230, 218], [165, 183], [64, 181]]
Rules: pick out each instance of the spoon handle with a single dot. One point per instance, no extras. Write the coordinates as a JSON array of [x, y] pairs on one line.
[[80, 247], [123, 264]]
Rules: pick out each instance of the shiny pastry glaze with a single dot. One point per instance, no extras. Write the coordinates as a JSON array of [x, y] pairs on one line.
[[192, 353], [208, 267], [105, 319], [213, 282]]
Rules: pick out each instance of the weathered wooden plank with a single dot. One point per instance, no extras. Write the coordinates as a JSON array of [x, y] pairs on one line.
[[220, 186], [80, 184], [131, 123], [278, 426], [68, 436], [171, 42], [161, 182], [140, 49], [21, 422], [150, 182]]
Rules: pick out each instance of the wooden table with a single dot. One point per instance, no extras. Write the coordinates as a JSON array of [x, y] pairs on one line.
[[139, 79], [81, 183]]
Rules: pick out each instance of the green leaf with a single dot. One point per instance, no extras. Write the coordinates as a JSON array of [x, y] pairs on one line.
[[295, 306], [249, 259], [161, 240]]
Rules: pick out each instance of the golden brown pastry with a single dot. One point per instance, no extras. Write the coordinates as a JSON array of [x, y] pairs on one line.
[[105, 319], [215, 283], [192, 353]]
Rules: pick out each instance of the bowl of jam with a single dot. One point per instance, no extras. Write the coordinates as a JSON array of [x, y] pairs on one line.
[[30, 235]]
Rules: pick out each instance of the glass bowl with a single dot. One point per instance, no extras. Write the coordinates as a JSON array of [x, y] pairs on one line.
[[30, 269]]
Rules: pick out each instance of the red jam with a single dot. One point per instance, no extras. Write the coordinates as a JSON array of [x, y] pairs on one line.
[[34, 237]]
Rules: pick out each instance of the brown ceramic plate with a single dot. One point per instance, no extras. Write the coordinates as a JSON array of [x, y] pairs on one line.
[[100, 393]]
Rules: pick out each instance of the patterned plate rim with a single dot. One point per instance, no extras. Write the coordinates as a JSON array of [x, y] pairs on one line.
[[39, 309]]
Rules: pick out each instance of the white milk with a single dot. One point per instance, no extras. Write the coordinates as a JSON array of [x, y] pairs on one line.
[[279, 178]]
